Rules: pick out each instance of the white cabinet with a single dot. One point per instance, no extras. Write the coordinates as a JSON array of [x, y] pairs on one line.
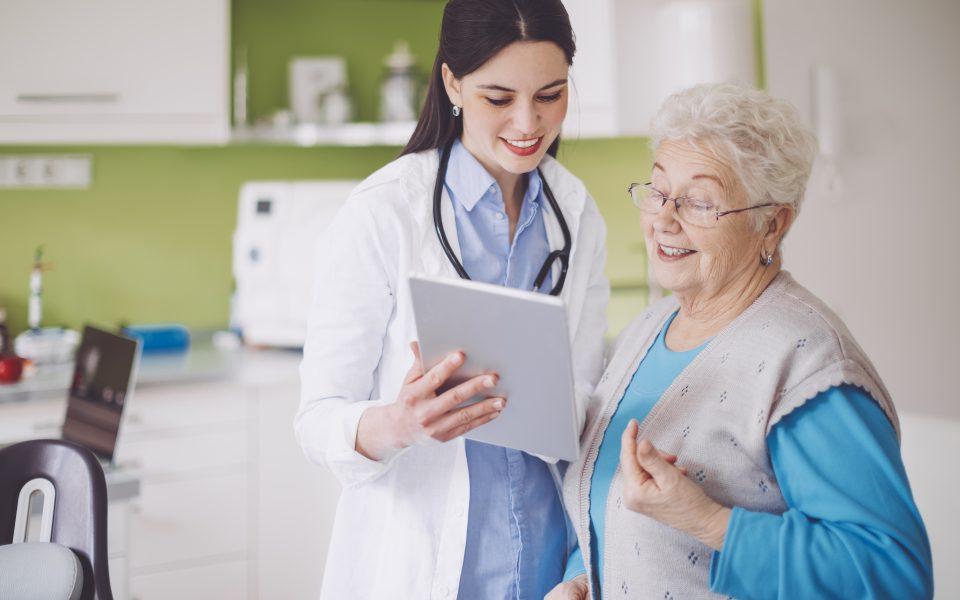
[[114, 71], [227, 580], [191, 447], [592, 110], [631, 54], [296, 502]]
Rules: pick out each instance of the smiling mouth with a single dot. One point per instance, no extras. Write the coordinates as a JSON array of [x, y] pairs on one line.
[[523, 147], [671, 253]]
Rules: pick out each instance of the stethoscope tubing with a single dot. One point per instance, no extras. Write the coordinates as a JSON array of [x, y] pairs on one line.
[[563, 255]]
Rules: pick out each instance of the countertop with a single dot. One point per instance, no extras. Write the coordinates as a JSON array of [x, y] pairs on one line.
[[203, 362]]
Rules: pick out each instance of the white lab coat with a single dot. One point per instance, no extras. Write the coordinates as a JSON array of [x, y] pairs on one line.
[[401, 524]]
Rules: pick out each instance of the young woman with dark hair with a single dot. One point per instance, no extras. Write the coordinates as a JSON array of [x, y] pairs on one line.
[[475, 194]]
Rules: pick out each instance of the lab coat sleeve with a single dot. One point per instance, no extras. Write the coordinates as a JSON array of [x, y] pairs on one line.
[[588, 342], [852, 529], [353, 299]]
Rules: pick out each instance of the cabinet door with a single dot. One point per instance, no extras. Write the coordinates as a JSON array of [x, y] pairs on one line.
[[592, 111], [165, 458], [184, 409], [180, 522], [30, 420], [296, 503], [119, 581], [226, 581], [113, 70]]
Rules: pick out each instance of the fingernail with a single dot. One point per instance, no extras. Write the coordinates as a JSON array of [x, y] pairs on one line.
[[456, 358], [498, 404], [490, 382]]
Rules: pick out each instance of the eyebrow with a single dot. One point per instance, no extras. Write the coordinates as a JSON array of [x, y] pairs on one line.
[[657, 165], [500, 88]]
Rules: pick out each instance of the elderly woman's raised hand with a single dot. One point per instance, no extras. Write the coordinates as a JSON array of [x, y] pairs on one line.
[[575, 589], [653, 486]]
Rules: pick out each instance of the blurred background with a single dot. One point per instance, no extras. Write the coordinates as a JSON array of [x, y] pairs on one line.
[[165, 167]]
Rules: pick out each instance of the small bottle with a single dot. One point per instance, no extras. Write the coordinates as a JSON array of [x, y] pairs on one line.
[[240, 89], [398, 92], [5, 346], [34, 304]]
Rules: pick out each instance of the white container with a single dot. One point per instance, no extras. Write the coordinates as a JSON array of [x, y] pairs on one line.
[[278, 226]]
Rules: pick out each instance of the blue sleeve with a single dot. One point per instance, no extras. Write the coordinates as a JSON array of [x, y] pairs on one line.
[[575, 566], [852, 529]]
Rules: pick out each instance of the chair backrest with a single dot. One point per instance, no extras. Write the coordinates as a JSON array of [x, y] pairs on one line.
[[79, 519]]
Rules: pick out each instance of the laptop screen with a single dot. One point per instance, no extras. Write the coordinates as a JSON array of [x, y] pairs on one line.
[[102, 384]]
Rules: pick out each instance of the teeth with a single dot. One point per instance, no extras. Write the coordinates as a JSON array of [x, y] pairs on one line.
[[674, 251], [523, 143]]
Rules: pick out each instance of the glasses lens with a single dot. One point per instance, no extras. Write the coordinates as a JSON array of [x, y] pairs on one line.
[[699, 213], [647, 198]]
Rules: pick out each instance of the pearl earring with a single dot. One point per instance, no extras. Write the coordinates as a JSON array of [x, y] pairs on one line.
[[455, 110]]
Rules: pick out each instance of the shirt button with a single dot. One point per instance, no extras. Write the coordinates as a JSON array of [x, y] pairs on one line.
[[499, 216], [446, 592]]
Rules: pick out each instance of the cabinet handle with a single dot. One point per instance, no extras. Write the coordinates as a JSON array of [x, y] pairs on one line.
[[107, 98], [132, 464], [51, 425]]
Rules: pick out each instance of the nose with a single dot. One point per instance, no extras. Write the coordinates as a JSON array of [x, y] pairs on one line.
[[526, 117], [666, 220]]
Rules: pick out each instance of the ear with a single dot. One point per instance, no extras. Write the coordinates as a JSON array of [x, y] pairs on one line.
[[452, 85], [778, 226]]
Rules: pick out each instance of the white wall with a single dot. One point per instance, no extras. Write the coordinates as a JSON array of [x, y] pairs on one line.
[[930, 449], [879, 248]]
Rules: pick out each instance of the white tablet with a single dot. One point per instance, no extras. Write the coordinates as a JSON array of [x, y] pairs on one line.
[[520, 335]]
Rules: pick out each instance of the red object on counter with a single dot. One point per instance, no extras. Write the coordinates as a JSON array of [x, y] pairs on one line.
[[11, 368]]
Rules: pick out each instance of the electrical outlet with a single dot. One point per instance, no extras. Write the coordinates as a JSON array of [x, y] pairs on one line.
[[45, 171]]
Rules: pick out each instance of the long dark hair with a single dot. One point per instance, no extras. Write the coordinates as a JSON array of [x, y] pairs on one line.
[[471, 33]]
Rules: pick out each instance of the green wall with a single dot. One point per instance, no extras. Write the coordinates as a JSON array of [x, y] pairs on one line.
[[150, 241]]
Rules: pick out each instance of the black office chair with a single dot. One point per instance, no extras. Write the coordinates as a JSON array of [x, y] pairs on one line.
[[79, 514]]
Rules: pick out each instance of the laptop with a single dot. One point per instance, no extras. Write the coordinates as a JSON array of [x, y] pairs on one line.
[[102, 385]]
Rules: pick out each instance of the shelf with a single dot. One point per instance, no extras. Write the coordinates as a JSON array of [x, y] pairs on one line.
[[348, 134]]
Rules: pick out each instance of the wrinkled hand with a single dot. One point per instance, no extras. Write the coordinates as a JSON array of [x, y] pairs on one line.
[[420, 416], [575, 589], [654, 487]]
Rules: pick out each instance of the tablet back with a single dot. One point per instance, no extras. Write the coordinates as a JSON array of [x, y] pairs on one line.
[[520, 335]]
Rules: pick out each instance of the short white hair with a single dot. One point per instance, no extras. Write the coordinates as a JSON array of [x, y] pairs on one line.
[[761, 138]]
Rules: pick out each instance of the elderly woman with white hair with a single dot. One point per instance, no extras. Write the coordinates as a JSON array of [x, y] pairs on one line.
[[740, 442]]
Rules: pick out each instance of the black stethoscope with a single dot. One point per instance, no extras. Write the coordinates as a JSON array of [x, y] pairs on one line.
[[563, 255]]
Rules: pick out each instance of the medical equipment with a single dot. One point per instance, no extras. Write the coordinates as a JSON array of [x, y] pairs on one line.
[[563, 255], [278, 224]]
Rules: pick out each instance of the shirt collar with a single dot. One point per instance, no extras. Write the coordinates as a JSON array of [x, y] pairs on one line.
[[468, 181]]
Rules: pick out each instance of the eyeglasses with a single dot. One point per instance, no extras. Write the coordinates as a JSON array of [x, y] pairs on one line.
[[693, 211]]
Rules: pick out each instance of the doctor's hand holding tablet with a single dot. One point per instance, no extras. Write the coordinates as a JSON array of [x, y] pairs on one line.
[[421, 414]]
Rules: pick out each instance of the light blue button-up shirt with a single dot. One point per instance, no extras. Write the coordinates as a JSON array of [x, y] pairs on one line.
[[516, 528]]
